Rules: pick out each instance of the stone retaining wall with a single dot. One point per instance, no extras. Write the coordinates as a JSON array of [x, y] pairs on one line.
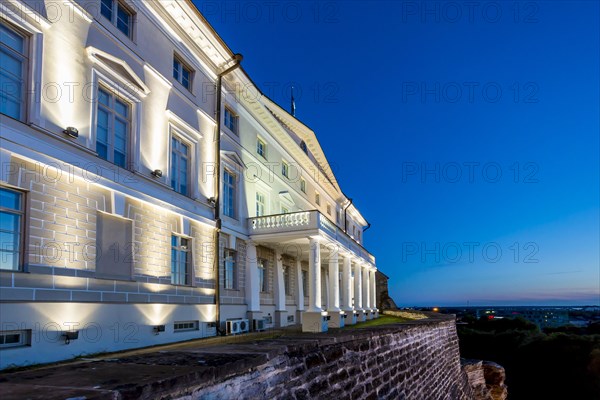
[[419, 360]]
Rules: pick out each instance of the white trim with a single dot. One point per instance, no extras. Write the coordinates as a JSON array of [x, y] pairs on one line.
[[93, 54]]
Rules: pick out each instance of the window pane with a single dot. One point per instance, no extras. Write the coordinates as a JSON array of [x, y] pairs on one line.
[[122, 108], [123, 20], [9, 260], [11, 39], [120, 159], [103, 97], [10, 199], [10, 222], [106, 8]]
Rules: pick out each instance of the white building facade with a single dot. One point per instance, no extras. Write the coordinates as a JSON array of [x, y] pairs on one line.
[[107, 145]]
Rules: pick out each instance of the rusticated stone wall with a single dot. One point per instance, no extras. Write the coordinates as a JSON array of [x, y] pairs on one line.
[[419, 360]]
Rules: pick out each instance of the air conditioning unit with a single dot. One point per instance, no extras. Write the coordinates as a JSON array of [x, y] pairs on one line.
[[259, 325], [236, 326]]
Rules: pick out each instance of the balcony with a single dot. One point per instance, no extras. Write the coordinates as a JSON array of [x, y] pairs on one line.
[[304, 223]]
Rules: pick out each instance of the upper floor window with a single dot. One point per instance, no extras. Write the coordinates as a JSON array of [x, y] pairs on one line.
[[303, 146], [182, 73], [112, 128], [230, 269], [303, 185], [260, 204], [180, 261], [285, 169], [261, 148], [119, 15], [180, 166], [229, 194], [329, 209], [13, 70], [231, 120], [11, 229], [262, 275], [318, 199]]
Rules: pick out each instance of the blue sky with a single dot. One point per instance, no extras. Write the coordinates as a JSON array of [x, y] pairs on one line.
[[466, 132]]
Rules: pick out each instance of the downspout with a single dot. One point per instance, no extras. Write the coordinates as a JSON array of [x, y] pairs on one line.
[[346, 215], [217, 188]]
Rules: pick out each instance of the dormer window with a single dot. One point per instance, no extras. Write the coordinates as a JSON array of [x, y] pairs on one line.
[[303, 146]]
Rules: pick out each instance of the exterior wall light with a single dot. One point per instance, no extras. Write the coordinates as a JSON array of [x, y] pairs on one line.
[[157, 173], [158, 328], [70, 335], [73, 132]]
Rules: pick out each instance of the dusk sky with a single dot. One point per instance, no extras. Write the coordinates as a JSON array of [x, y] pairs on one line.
[[497, 102]]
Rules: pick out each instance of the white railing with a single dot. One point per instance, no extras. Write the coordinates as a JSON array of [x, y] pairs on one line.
[[277, 222], [302, 221]]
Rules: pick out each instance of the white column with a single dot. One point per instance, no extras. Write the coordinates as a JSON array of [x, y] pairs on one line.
[[279, 284], [299, 287], [252, 289], [314, 276], [346, 285], [365, 288], [334, 282], [373, 289], [358, 305]]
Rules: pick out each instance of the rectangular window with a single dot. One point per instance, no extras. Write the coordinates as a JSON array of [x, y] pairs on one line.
[[113, 236], [15, 338], [182, 73], [285, 169], [11, 229], [318, 199], [231, 120], [286, 280], [230, 269], [180, 166], [305, 283], [13, 70], [119, 15], [229, 194], [262, 275], [303, 185], [329, 209], [184, 326], [260, 204], [113, 128], [261, 148], [180, 260]]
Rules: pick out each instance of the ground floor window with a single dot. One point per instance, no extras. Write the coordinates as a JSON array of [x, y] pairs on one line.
[[262, 275], [230, 269], [180, 260]]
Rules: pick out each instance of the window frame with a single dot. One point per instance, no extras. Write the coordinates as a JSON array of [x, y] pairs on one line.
[[328, 208], [318, 198], [188, 275], [189, 159], [234, 188], [195, 326], [182, 65], [24, 58], [116, 5], [261, 147], [263, 204], [231, 118], [231, 282], [285, 169], [24, 339], [113, 98], [263, 265], [22, 213], [303, 185]]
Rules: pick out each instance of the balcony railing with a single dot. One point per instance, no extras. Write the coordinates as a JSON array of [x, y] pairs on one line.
[[306, 221]]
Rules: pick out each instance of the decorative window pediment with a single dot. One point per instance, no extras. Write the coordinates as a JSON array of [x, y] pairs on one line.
[[118, 68]]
